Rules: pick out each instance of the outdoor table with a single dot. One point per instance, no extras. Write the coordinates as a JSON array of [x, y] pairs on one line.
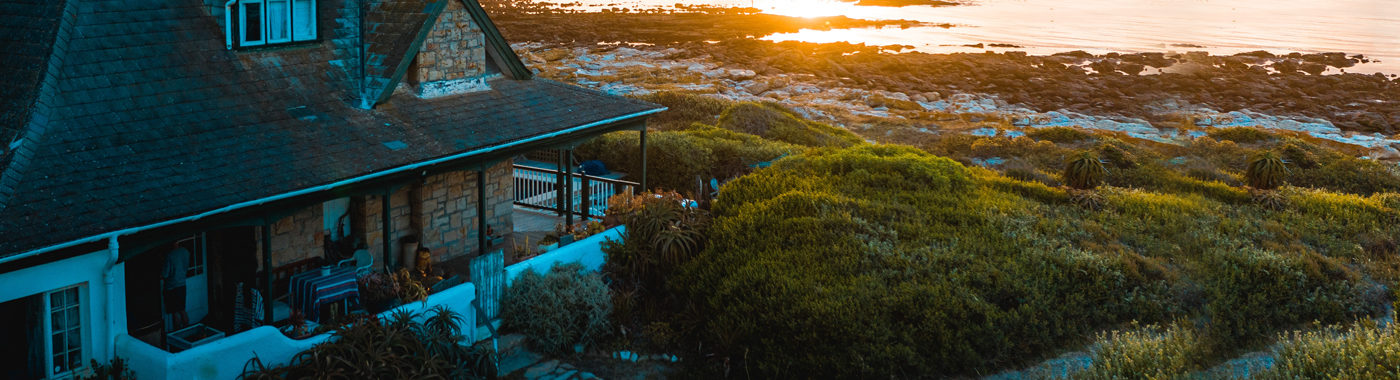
[[311, 289]]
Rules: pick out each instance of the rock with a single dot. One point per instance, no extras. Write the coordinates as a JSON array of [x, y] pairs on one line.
[[540, 370], [587, 375], [567, 374], [518, 360]]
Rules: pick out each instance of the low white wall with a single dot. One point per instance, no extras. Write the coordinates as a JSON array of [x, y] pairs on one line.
[[457, 298], [225, 358], [588, 252], [220, 359]]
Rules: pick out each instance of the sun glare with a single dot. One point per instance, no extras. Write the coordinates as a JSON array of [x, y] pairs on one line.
[[804, 8]]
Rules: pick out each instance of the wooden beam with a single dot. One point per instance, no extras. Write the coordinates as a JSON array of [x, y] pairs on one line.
[[384, 221]]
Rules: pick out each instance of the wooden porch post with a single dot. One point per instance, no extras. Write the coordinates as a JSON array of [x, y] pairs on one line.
[[267, 272], [481, 212], [559, 186], [384, 227], [569, 189], [644, 157], [584, 204]]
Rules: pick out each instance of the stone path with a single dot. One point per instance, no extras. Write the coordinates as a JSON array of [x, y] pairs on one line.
[[519, 362]]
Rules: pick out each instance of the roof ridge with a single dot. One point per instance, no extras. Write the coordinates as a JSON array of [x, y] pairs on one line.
[[15, 162]]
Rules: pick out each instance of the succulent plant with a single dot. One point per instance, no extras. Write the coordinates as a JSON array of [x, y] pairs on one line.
[[1085, 171], [1266, 172]]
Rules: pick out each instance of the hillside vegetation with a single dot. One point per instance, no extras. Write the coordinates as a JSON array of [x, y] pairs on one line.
[[851, 259]]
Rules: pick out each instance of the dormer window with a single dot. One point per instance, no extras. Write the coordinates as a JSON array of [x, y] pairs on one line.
[[266, 22]]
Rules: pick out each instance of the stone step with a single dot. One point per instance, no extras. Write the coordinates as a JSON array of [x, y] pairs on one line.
[[516, 361]]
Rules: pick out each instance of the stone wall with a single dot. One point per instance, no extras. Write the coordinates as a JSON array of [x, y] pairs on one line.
[[441, 212], [452, 59], [449, 209], [295, 237], [371, 221]]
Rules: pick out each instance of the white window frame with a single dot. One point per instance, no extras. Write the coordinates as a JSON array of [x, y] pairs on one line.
[[263, 23], [83, 327], [243, 23], [267, 21], [311, 32]]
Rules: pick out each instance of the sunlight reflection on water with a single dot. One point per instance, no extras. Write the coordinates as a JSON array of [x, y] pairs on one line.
[[1370, 27]]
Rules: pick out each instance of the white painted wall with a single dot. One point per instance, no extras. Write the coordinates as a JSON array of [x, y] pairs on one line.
[[88, 269], [225, 358], [588, 252]]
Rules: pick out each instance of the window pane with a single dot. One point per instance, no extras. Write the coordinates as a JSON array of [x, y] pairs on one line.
[[303, 23], [75, 359], [55, 299], [277, 22], [56, 322], [60, 364], [70, 296], [74, 319], [252, 22], [75, 340]]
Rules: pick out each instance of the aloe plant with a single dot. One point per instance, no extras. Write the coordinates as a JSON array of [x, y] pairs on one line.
[[1266, 172], [1085, 171]]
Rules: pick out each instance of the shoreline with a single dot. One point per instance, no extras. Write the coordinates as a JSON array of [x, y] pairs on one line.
[[886, 93]]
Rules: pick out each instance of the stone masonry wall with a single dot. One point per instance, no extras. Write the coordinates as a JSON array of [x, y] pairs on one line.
[[295, 237], [446, 210], [373, 227], [452, 58], [449, 209]]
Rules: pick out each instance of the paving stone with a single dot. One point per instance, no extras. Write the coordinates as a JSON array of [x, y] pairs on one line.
[[517, 361], [567, 375], [539, 371]]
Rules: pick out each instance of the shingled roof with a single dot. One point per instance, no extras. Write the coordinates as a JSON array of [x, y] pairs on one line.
[[153, 119]]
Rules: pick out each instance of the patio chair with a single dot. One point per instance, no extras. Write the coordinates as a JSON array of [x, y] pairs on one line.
[[362, 260]]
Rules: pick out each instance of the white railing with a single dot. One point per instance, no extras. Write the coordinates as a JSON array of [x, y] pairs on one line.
[[538, 188]]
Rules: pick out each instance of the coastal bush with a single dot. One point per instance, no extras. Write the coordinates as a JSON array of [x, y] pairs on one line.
[[1253, 293], [1150, 352], [1266, 172], [1240, 135], [557, 310], [685, 160], [1364, 351], [1059, 135], [776, 123], [1085, 171], [924, 252], [683, 110]]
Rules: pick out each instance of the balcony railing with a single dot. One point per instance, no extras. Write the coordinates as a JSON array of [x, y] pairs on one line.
[[538, 188]]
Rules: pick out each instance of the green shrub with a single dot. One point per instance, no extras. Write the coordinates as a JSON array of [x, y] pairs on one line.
[[1146, 353], [405, 345], [683, 110], [1365, 351], [558, 310], [1061, 135], [1266, 172], [1253, 293], [685, 160], [117, 369], [1085, 171], [1241, 135], [774, 123], [879, 261]]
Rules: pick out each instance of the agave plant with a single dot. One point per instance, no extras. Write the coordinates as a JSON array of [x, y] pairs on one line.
[[1266, 172], [1085, 171]]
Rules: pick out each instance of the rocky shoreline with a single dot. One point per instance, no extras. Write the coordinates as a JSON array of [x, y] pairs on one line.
[[887, 94]]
